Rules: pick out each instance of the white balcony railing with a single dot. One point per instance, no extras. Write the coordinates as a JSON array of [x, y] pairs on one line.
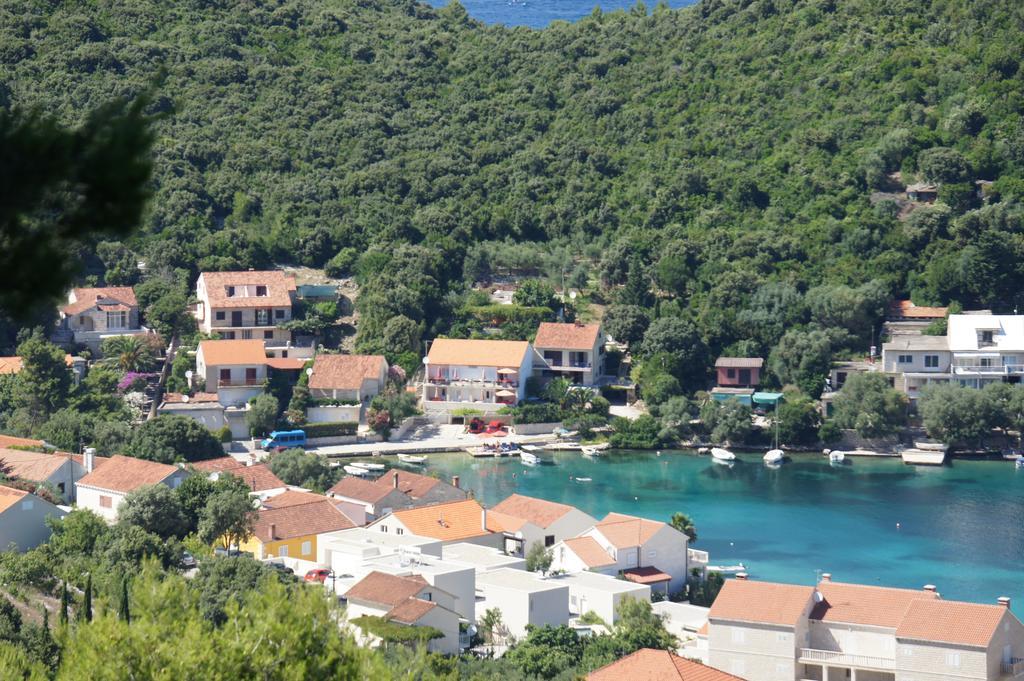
[[836, 657], [1002, 369], [1013, 668], [697, 556]]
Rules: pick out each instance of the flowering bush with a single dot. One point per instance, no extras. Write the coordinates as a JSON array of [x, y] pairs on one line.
[[134, 381]]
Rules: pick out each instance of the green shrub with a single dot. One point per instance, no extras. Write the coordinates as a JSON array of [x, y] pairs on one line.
[[224, 434], [331, 429]]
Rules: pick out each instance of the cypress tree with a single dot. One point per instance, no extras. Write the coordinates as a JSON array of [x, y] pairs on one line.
[[124, 612], [85, 614], [64, 602]]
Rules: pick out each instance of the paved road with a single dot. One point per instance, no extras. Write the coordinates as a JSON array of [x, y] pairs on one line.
[[425, 438]]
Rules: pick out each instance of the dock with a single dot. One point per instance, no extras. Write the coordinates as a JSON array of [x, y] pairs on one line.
[[923, 457]]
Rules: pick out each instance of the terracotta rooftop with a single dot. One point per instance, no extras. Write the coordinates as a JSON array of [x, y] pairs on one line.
[[485, 353], [198, 398], [413, 484], [624, 531], [10, 496], [86, 298], [291, 498], [279, 287], [955, 622], [739, 362], [868, 605], [646, 575], [445, 522], [229, 352], [220, 463], [383, 589], [589, 551], [537, 511], [648, 664], [344, 372], [567, 336], [34, 466], [11, 441], [761, 602], [126, 473], [286, 363], [502, 522], [299, 520], [359, 489], [410, 610], [258, 478], [10, 365], [905, 309]]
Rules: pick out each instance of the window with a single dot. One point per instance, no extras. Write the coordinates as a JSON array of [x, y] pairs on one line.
[[731, 373], [952, 659], [81, 319], [307, 548], [220, 315], [225, 375], [908, 652], [247, 334], [231, 291], [106, 502], [985, 362], [399, 530], [782, 637], [278, 314], [531, 605], [739, 635], [228, 335], [117, 320], [383, 528], [427, 596], [906, 359], [262, 316], [549, 540], [283, 552], [986, 336], [261, 291], [60, 487], [268, 335], [931, 361]]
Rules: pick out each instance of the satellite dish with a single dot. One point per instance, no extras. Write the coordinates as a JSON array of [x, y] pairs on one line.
[[189, 374], [309, 371], [184, 398]]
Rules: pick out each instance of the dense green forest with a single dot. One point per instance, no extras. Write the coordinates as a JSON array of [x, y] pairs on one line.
[[723, 166]]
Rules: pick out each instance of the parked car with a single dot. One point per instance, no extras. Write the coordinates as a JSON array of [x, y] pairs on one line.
[[188, 561], [318, 575]]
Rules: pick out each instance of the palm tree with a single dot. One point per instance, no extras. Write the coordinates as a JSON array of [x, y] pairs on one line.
[[128, 353], [684, 524]]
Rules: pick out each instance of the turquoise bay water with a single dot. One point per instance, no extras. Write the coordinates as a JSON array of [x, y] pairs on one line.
[[540, 13], [961, 527]]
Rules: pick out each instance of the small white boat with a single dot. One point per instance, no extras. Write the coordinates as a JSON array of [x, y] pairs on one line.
[[722, 454], [531, 448], [582, 479], [1019, 462], [529, 458], [590, 451], [356, 471], [728, 569], [369, 466], [774, 457], [836, 456], [563, 447], [930, 446], [410, 458]]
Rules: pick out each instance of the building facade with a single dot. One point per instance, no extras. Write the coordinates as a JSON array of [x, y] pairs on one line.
[[571, 351], [246, 305], [482, 375], [92, 315]]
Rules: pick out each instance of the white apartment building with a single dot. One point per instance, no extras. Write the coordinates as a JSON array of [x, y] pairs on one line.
[[484, 375], [849, 632], [600, 594], [526, 521], [523, 598]]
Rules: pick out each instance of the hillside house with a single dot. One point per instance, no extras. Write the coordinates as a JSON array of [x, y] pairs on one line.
[[92, 315], [249, 306], [572, 351], [483, 375], [357, 378], [923, 192], [526, 521], [104, 489], [23, 519], [739, 372], [449, 523], [291, 523]]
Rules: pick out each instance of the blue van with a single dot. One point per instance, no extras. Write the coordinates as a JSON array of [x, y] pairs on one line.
[[285, 438]]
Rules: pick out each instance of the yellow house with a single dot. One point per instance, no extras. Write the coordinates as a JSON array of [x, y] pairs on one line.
[[288, 525]]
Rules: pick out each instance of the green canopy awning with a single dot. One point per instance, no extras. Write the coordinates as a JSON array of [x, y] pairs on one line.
[[767, 398]]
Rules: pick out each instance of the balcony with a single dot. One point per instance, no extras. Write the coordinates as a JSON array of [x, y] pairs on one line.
[[992, 369], [568, 366], [697, 557], [472, 382], [838, 658], [240, 382], [1013, 668]]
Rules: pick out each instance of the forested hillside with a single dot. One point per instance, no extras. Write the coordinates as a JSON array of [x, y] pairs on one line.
[[715, 150]]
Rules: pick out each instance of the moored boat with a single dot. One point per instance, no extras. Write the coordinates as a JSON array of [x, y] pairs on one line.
[[774, 456], [722, 454], [931, 446], [356, 470], [836, 456], [369, 466], [582, 479], [412, 459], [590, 451], [529, 458], [1019, 462]]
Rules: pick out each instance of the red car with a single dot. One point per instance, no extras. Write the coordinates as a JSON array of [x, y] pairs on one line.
[[318, 575]]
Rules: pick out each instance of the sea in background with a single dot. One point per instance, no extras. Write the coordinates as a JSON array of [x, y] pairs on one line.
[[540, 13], [872, 521]]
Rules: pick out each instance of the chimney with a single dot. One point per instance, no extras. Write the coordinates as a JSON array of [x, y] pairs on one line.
[[742, 576], [1004, 601], [929, 587], [826, 576], [273, 530], [455, 481], [394, 479], [89, 459]]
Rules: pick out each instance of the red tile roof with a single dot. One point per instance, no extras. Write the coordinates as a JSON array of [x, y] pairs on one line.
[[481, 353], [954, 622], [359, 489], [86, 298], [9, 496], [540, 512], [739, 362], [229, 352], [646, 575], [292, 497], [11, 441], [279, 287], [198, 398], [125, 474], [220, 463], [285, 363], [557, 335], [299, 520], [344, 372], [34, 466], [413, 484], [648, 664], [383, 589], [258, 478], [742, 600], [868, 605], [624, 531], [410, 611], [502, 522], [446, 522], [589, 551], [905, 309]]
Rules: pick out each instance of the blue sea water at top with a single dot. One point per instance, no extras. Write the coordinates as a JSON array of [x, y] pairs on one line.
[[540, 13], [960, 527]]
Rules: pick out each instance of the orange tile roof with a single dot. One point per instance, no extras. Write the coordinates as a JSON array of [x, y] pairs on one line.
[[868, 605], [484, 353], [410, 611], [258, 478], [279, 287], [646, 575], [10, 496], [359, 489], [567, 336], [589, 551], [86, 298], [228, 352], [299, 520], [450, 521], [383, 589], [11, 441], [907, 309], [413, 484], [743, 600], [956, 622], [502, 522], [198, 398], [220, 463], [291, 498], [10, 365], [540, 512], [126, 473], [624, 531], [344, 372], [648, 664], [34, 466], [285, 363]]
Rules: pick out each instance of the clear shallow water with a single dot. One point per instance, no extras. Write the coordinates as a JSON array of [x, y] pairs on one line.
[[540, 13], [961, 526]]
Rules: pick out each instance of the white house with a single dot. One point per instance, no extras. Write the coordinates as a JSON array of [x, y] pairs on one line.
[[641, 550], [526, 521], [450, 522], [574, 351], [481, 558], [23, 519], [235, 369], [523, 598], [104, 489], [916, 362], [600, 594], [94, 314], [455, 579], [344, 549], [410, 601], [485, 375], [357, 378]]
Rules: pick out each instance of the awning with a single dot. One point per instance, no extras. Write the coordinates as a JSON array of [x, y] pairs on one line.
[[646, 575], [505, 393], [767, 398], [507, 371]]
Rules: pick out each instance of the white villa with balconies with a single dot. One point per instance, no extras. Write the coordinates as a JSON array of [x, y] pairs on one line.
[[977, 349], [483, 375], [573, 351]]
